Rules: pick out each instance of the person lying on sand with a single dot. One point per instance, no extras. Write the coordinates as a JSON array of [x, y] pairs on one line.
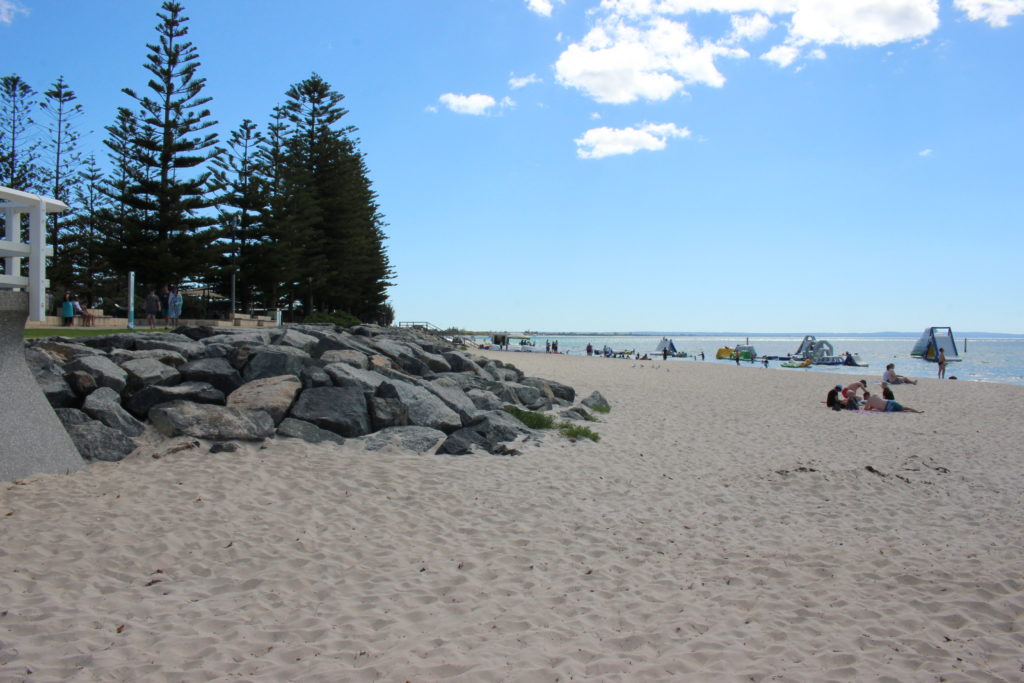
[[875, 402]]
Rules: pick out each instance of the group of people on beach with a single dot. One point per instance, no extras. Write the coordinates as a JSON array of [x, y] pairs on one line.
[[857, 397], [166, 303]]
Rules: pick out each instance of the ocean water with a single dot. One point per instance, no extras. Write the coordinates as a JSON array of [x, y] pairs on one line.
[[984, 359]]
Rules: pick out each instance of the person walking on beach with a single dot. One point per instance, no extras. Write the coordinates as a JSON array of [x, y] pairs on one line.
[[875, 402], [737, 354], [942, 364]]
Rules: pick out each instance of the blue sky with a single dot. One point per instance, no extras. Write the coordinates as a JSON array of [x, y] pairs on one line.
[[692, 165]]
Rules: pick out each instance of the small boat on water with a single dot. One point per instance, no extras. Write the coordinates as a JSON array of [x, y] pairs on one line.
[[933, 339]]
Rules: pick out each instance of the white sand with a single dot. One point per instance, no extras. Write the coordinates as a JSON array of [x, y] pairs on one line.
[[688, 544]]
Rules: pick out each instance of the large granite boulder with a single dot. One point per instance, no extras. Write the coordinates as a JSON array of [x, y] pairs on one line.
[[145, 371], [422, 440], [165, 356], [274, 361], [296, 339], [341, 410], [212, 422], [170, 342], [96, 441], [139, 403], [596, 400], [215, 371], [453, 396], [104, 371], [356, 359], [104, 405], [426, 409], [272, 394], [307, 431], [56, 389], [64, 350]]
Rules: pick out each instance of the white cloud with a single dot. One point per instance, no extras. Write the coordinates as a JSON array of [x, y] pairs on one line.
[[597, 143], [516, 83], [541, 7], [643, 49], [749, 27], [783, 55], [475, 105], [8, 9], [996, 12], [925, 153], [620, 62]]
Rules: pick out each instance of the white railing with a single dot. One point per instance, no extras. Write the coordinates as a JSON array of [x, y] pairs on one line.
[[14, 203]]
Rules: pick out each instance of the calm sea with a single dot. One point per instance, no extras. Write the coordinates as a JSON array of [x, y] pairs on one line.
[[983, 359]]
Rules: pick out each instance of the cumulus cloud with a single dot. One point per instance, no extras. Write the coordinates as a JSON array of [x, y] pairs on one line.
[[475, 105], [597, 143], [783, 55], [752, 27], [516, 83], [8, 10], [541, 7], [996, 12], [925, 153], [620, 61], [644, 49]]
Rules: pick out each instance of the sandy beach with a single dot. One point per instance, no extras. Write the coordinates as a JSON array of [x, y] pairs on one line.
[[727, 526]]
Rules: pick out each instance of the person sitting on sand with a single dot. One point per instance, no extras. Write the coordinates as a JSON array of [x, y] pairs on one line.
[[875, 402], [833, 401], [891, 377], [887, 392], [852, 389]]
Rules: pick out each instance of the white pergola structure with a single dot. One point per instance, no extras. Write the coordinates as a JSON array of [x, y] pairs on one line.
[[14, 203]]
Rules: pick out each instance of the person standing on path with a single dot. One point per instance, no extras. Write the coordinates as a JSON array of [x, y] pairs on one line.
[[152, 308]]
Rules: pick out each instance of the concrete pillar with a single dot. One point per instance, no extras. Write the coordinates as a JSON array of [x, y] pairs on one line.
[[32, 439]]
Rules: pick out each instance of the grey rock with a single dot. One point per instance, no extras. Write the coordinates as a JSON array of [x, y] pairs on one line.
[[145, 371], [426, 409], [81, 382], [454, 397], [299, 340], [71, 416], [171, 342], [313, 376], [356, 359], [64, 350], [339, 409], [104, 371], [595, 399], [165, 356], [464, 442], [577, 413], [307, 431], [227, 447], [498, 426], [484, 400], [55, 388], [272, 394], [139, 403], [340, 372], [107, 342], [274, 361], [240, 338], [387, 412], [216, 423], [97, 441], [423, 440], [104, 405], [215, 371]]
